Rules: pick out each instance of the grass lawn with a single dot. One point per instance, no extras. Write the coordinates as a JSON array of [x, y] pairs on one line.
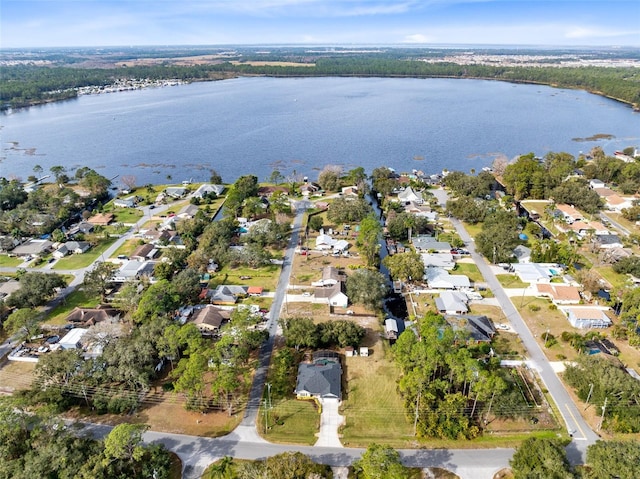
[[266, 276], [616, 280], [470, 270], [128, 247], [77, 261], [373, 409], [10, 262], [16, 376], [473, 229], [291, 421], [125, 215], [511, 281], [77, 298]]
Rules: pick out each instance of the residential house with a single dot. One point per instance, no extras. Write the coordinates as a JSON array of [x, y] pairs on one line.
[[330, 277], [438, 278], [425, 244], [254, 290], [209, 319], [584, 228], [534, 272], [227, 294], [83, 227], [7, 243], [479, 329], [559, 294], [409, 196], [569, 213], [129, 202], [452, 302], [438, 260], [522, 254], [586, 317], [134, 270], [324, 242], [308, 189], [144, 252], [321, 379], [72, 247], [188, 212], [33, 247], [350, 191], [101, 219], [333, 295], [609, 241], [175, 192], [86, 317], [207, 189], [618, 203], [596, 183]]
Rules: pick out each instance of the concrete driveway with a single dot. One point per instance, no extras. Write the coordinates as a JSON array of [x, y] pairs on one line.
[[330, 421]]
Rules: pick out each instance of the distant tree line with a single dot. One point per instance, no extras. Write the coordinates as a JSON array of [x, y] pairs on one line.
[[24, 85]]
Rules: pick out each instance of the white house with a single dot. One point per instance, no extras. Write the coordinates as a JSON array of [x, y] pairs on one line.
[[438, 278], [129, 202], [522, 254], [438, 260], [586, 317], [452, 302], [408, 195], [207, 189]]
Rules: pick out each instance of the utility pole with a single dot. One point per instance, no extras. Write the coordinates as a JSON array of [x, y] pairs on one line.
[[604, 408], [589, 396], [415, 420], [269, 394], [266, 417]]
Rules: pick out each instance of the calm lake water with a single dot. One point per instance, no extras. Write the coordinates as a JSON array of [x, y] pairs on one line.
[[256, 125]]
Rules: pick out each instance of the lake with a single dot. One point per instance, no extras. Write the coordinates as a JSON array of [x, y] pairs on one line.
[[256, 125]]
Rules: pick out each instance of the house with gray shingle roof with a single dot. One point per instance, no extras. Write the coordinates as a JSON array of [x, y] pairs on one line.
[[320, 379]]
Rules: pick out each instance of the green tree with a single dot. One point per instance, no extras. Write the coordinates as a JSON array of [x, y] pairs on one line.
[[329, 178], [36, 289], [380, 462], [406, 266], [124, 442], [23, 322], [608, 459], [368, 240], [499, 236], [276, 177], [540, 458], [97, 280], [215, 177], [158, 300], [300, 332], [367, 287], [315, 222]]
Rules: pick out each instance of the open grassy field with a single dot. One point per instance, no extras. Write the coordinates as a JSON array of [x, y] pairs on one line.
[[266, 276], [470, 270], [15, 376], [373, 409], [290, 421], [128, 247]]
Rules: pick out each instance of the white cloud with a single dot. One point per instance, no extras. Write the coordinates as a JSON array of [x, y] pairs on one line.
[[417, 38], [585, 32]]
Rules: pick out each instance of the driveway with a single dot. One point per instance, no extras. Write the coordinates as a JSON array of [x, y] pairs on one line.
[[330, 422]]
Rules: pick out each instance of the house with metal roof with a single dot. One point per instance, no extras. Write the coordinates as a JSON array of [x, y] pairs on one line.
[[438, 278], [227, 294], [452, 302]]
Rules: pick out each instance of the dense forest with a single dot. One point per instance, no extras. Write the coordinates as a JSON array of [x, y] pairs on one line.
[[24, 84]]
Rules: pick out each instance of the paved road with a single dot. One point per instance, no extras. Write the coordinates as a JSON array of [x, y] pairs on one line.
[[576, 426], [617, 225], [255, 395], [197, 453]]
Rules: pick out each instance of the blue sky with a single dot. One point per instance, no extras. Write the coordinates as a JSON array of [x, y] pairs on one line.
[[52, 23]]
